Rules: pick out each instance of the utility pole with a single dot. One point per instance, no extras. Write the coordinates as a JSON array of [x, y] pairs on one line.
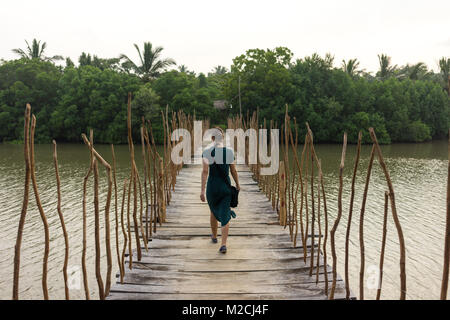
[[239, 90]]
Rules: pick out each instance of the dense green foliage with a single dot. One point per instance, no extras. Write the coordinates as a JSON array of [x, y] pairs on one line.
[[402, 104], [335, 100]]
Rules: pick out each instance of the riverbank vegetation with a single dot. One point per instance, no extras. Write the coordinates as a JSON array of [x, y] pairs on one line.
[[403, 103]]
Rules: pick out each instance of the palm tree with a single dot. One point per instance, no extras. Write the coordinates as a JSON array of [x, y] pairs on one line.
[[35, 51], [386, 70], [151, 64], [414, 72], [219, 70], [183, 68], [351, 67], [444, 67]]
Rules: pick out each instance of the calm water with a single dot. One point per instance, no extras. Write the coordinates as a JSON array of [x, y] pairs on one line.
[[418, 172]]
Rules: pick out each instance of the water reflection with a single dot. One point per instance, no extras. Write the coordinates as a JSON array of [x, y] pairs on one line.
[[418, 172]]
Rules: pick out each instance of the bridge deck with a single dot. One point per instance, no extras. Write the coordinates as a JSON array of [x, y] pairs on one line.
[[182, 262]]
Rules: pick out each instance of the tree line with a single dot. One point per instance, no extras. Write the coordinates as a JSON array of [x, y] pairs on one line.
[[403, 103]]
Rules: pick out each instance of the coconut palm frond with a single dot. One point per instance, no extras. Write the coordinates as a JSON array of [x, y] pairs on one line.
[[21, 53], [35, 50], [386, 69], [41, 51], [140, 55], [351, 67], [129, 62]]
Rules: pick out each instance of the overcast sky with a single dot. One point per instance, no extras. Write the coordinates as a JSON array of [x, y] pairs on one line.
[[203, 34]]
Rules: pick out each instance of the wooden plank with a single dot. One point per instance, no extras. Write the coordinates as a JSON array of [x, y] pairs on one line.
[[228, 287], [216, 296]]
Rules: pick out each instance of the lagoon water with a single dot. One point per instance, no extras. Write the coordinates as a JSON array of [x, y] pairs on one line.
[[418, 172]]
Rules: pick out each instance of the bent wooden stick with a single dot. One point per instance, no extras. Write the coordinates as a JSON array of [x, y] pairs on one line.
[[41, 211], [107, 208], [294, 148], [61, 219], [325, 212], [85, 181], [151, 202], [130, 245], [125, 238], [144, 236], [108, 233], [361, 225], [320, 234], [338, 218], [302, 202], [121, 270], [144, 157], [445, 271], [135, 220], [133, 180], [305, 190], [98, 274], [398, 226], [23, 213], [313, 211], [383, 243], [155, 180], [350, 214]]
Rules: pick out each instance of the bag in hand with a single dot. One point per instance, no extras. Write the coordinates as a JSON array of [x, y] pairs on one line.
[[234, 197]]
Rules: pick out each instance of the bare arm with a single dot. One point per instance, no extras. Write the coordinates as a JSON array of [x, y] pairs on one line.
[[235, 175], [204, 177]]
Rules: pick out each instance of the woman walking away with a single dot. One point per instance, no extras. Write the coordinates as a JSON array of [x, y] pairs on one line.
[[218, 161]]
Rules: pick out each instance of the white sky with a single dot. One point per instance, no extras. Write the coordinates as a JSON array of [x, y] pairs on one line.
[[203, 34]]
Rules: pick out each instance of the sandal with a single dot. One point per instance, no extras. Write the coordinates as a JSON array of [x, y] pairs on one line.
[[223, 249], [214, 240]]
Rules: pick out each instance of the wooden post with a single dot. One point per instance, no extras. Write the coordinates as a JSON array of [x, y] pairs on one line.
[[398, 226], [141, 223], [98, 273], [350, 213], [338, 218], [313, 214], [61, 219], [144, 157], [161, 193], [383, 243], [23, 213], [116, 210], [41, 210], [361, 226], [130, 242], [125, 238]]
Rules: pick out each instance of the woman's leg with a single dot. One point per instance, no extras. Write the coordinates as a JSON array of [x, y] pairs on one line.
[[225, 234], [213, 222]]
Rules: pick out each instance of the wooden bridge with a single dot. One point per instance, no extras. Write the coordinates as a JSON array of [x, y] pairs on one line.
[[264, 261], [183, 263]]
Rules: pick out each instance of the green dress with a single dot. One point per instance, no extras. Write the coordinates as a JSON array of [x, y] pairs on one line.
[[218, 193]]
